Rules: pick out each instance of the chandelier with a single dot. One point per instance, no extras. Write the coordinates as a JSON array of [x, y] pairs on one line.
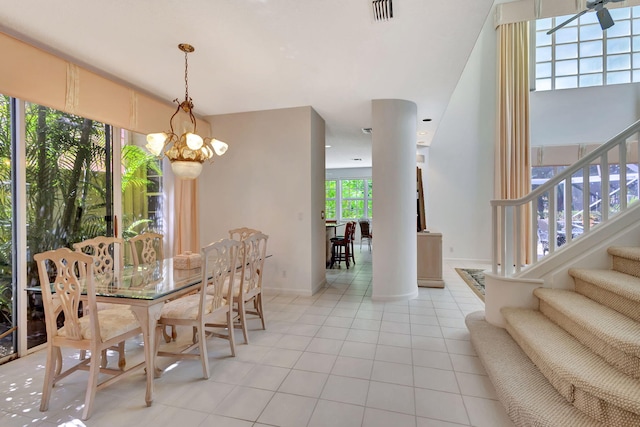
[[186, 151]]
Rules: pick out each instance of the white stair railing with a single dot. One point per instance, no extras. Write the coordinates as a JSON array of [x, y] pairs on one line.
[[509, 216]]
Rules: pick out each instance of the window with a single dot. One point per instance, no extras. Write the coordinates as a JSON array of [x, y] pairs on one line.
[[330, 190], [57, 189], [353, 197], [581, 54]]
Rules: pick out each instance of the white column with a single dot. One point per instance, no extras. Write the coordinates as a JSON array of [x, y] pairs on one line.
[[394, 200]]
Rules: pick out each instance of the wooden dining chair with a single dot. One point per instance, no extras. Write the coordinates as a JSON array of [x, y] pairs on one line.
[[103, 250], [146, 248], [242, 233], [207, 308], [247, 286], [365, 233], [342, 246], [64, 274]]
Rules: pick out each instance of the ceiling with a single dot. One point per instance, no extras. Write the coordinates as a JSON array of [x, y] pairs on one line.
[[266, 54]]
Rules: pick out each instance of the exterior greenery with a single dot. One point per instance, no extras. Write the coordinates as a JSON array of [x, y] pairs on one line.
[[66, 189], [353, 197]]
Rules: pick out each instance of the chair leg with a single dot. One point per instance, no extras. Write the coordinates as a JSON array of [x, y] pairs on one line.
[[346, 255], [51, 366], [122, 361], [258, 305], [230, 329], [204, 357], [58, 357], [333, 255], [94, 371], [243, 319], [167, 336], [103, 359]]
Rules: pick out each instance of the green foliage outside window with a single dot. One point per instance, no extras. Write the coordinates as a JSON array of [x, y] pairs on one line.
[[330, 189], [330, 209], [352, 189], [352, 209]]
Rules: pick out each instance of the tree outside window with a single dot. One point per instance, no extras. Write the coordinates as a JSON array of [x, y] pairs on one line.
[[330, 205]]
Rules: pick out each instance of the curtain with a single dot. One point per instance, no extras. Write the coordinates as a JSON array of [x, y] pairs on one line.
[[186, 216], [513, 163]]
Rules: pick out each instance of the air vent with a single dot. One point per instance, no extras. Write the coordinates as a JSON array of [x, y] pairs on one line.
[[382, 10], [367, 131]]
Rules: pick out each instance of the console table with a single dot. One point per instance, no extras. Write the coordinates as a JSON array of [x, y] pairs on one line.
[[430, 260]]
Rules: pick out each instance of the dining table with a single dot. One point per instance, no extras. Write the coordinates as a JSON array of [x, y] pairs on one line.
[[145, 288]]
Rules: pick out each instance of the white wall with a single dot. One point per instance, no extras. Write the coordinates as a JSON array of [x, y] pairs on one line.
[[265, 182], [348, 173], [583, 116], [460, 158], [317, 194]]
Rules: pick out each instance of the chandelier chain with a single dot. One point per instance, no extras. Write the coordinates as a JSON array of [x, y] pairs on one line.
[[186, 78]]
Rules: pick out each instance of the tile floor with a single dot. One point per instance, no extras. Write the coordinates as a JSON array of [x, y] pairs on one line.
[[334, 359]]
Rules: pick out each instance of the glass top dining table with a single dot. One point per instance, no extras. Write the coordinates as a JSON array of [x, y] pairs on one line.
[[144, 289], [146, 281]]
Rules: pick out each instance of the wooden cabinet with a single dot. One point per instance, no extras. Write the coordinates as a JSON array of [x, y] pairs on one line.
[[430, 260]]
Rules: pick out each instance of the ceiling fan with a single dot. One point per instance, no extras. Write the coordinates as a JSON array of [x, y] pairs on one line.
[[604, 17]]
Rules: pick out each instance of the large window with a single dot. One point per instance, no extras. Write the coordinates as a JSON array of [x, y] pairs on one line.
[[581, 54], [59, 194], [349, 199], [331, 195]]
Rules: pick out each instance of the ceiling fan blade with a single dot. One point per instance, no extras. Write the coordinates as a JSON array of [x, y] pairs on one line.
[[573, 18], [605, 19]]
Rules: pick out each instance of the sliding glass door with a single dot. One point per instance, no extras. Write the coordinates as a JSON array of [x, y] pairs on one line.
[[8, 319], [68, 189], [57, 187]]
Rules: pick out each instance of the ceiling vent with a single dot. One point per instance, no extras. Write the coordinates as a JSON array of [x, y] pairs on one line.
[[382, 10], [367, 131]]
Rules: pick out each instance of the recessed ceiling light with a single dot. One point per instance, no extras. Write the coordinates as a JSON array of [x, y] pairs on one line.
[[327, 146], [422, 133]]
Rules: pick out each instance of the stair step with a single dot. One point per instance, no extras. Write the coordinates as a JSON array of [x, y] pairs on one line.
[[582, 377], [625, 259], [614, 289], [528, 398], [612, 335]]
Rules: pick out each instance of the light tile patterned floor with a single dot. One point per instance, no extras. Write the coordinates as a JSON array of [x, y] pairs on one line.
[[334, 359]]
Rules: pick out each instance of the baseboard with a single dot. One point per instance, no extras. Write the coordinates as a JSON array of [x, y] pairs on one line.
[[295, 292]]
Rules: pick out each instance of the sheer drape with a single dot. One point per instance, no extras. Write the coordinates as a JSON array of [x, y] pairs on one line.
[[513, 163], [186, 216]]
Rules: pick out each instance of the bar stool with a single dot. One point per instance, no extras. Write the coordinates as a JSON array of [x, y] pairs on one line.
[[342, 247]]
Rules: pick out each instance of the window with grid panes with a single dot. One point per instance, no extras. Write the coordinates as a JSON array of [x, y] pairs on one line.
[[330, 204], [581, 54]]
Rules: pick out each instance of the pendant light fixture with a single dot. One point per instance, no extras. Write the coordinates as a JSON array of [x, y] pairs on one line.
[[187, 150]]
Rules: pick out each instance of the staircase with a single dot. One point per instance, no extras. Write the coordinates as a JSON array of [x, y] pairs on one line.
[[576, 360]]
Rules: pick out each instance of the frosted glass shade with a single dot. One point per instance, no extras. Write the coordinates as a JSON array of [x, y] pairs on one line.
[[186, 170], [155, 142], [194, 141], [219, 147]]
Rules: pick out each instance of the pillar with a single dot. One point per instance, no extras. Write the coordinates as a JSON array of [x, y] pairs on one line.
[[394, 200]]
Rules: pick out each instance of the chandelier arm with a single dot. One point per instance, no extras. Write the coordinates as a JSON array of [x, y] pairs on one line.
[[193, 121], [174, 114]]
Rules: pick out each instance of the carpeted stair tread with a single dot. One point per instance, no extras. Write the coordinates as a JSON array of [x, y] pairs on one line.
[[619, 283], [628, 252], [608, 333], [529, 399], [625, 259], [582, 377], [613, 327]]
